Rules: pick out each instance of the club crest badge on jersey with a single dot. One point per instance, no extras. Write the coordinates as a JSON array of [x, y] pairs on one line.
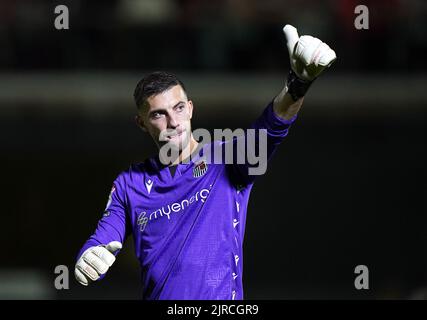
[[200, 169]]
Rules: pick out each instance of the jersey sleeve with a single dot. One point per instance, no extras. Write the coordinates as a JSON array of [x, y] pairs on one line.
[[260, 142], [114, 224]]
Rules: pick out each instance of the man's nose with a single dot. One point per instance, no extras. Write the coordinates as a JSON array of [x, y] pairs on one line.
[[172, 122]]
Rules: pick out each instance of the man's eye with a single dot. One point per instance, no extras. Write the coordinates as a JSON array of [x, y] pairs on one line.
[[156, 115], [180, 108]]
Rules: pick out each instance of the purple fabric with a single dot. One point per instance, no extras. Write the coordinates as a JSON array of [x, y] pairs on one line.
[[188, 231]]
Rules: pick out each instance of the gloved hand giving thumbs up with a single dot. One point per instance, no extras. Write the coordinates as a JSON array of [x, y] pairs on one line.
[[95, 262], [309, 57]]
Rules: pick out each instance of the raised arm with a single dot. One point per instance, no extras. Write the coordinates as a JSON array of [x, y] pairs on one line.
[[309, 57]]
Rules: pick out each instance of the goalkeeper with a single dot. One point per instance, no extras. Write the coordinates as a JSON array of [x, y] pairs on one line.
[[188, 217]]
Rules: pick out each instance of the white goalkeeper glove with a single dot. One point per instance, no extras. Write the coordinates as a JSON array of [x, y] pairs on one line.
[[309, 57], [95, 262]]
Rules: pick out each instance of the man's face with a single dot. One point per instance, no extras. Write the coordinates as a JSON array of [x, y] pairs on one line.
[[167, 118]]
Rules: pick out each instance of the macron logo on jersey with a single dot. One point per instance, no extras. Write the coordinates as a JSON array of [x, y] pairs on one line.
[[149, 185]]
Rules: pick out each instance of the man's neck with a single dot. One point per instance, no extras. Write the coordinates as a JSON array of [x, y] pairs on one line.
[[186, 152]]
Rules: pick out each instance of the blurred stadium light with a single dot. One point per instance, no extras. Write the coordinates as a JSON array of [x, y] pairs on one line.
[[25, 284], [101, 93]]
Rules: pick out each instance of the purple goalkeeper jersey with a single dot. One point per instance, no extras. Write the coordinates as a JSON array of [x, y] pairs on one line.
[[188, 228]]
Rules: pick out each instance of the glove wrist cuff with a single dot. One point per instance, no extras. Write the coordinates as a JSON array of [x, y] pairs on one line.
[[297, 87]]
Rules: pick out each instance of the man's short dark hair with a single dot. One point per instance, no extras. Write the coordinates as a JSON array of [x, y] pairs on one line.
[[154, 84]]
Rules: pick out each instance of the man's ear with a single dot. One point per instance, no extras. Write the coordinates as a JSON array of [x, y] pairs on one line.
[[190, 107], [140, 123]]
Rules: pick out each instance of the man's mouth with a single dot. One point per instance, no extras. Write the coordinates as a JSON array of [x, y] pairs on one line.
[[174, 135]]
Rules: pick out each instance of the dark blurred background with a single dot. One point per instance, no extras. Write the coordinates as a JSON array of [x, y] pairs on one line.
[[346, 188]]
